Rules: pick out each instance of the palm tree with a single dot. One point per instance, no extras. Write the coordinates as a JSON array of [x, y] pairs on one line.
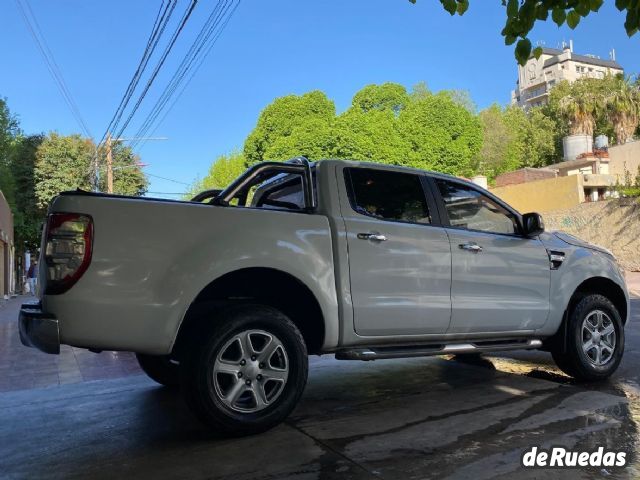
[[622, 103], [580, 107]]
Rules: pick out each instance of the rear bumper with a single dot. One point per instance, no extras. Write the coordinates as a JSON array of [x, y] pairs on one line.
[[39, 329]]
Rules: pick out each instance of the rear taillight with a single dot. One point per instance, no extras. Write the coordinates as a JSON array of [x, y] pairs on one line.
[[68, 242]]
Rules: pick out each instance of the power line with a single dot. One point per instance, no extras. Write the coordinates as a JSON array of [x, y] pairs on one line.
[[52, 66], [164, 56], [168, 193], [205, 40], [168, 179], [195, 72], [159, 25]]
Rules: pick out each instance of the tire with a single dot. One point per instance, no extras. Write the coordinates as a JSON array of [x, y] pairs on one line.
[[160, 369], [593, 314], [215, 375]]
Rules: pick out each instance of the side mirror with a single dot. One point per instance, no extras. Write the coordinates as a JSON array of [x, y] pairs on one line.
[[532, 224]]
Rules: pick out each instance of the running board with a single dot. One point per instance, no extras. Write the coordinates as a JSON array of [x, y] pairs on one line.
[[378, 353]]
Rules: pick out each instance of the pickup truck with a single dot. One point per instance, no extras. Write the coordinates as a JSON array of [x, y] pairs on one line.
[[228, 294]]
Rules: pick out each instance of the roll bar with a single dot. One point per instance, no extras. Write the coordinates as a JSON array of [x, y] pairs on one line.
[[258, 172]]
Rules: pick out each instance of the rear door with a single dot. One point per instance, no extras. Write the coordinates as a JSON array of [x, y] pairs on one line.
[[500, 279], [399, 261]]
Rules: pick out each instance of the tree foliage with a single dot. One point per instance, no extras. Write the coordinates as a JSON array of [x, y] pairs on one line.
[[522, 15], [27, 215], [440, 134], [9, 131], [592, 106], [513, 138], [222, 172], [288, 116], [67, 163], [384, 123]]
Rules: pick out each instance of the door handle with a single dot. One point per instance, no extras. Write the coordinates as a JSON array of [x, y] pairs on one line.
[[471, 247], [376, 237]]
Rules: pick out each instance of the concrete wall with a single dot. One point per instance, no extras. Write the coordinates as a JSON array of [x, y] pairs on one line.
[[621, 155], [543, 195]]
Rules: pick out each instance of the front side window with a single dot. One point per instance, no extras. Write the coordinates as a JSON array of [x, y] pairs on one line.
[[470, 209], [387, 195]]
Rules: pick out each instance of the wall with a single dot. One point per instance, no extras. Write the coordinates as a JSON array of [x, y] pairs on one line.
[[613, 224], [523, 175], [6, 252], [543, 195], [628, 154]]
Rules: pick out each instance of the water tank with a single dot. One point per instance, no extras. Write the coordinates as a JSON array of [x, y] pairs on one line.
[[574, 145], [602, 143]]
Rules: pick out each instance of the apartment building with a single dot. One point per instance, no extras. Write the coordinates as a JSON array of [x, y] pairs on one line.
[[538, 76]]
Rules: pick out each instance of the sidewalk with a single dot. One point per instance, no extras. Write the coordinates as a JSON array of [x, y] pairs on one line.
[[24, 368], [633, 283]]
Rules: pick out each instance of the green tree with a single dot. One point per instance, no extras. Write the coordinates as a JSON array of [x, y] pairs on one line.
[[67, 163], [388, 96], [608, 106], [287, 116], [522, 15], [499, 152], [463, 98], [384, 124], [27, 215], [441, 135], [9, 131], [222, 172], [372, 136], [622, 106], [534, 134], [62, 163]]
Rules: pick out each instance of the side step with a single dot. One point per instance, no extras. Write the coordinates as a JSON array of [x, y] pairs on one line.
[[378, 353]]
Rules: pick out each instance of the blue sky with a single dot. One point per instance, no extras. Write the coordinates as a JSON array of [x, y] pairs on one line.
[[270, 48]]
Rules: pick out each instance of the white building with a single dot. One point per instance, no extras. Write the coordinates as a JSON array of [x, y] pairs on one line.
[[538, 76]]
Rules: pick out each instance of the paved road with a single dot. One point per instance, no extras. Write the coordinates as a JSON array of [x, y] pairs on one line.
[[397, 419]]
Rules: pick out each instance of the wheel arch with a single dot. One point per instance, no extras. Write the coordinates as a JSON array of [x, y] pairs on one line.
[[600, 285], [264, 285], [603, 286]]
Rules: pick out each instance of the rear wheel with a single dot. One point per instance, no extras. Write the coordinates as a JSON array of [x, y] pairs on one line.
[[249, 373], [594, 340], [160, 368]]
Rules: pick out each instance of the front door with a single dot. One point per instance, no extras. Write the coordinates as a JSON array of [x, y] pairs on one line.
[[399, 263], [500, 279]]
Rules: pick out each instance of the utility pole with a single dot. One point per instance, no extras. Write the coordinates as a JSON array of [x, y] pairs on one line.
[[109, 164], [108, 145]]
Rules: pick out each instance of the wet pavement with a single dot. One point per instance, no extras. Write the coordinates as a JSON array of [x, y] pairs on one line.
[[396, 419]]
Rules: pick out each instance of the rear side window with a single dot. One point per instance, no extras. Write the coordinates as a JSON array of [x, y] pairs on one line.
[[287, 196], [387, 195]]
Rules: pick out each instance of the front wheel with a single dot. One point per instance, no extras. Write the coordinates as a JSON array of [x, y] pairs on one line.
[[249, 373], [594, 340]]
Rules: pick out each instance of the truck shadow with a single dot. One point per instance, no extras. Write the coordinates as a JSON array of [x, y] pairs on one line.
[[423, 418]]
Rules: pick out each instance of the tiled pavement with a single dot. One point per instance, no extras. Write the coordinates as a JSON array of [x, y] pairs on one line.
[[24, 368]]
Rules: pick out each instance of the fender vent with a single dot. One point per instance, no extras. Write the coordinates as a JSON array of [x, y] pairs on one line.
[[555, 259]]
